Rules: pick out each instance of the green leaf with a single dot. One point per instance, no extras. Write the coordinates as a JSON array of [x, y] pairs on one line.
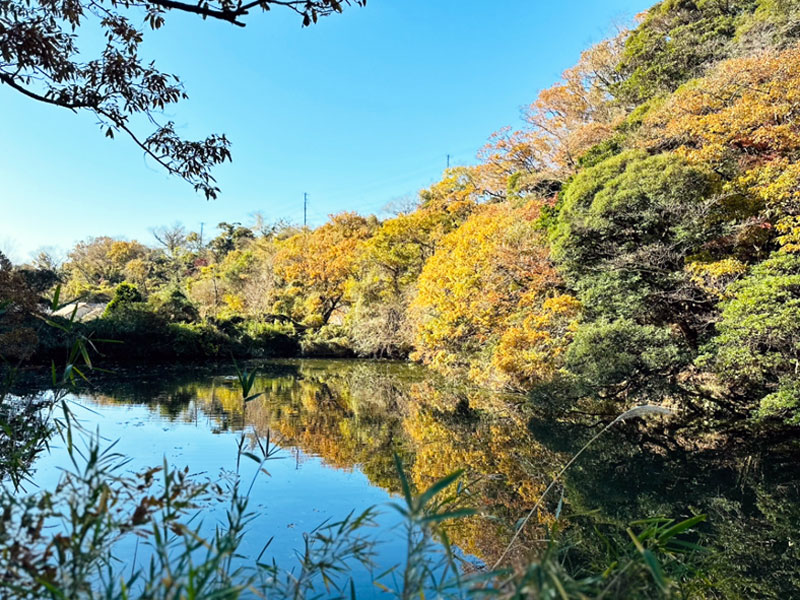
[[437, 487], [655, 570], [56, 325], [251, 456], [253, 397], [446, 516], [651, 562], [398, 465], [56, 296], [85, 355], [80, 373], [681, 527], [681, 546]]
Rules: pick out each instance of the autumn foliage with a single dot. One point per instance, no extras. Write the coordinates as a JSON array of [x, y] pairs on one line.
[[479, 290], [633, 239]]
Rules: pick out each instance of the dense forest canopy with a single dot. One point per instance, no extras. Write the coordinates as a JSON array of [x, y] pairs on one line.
[[635, 239]]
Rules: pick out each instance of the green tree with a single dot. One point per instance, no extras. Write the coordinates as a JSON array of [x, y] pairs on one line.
[[676, 41], [125, 294], [233, 236], [623, 234], [757, 349], [622, 359]]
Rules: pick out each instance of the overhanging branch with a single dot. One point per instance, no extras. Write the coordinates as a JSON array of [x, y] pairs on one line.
[[9, 81], [309, 10], [230, 16]]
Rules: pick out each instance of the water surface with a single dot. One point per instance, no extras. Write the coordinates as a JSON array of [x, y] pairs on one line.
[[339, 423]]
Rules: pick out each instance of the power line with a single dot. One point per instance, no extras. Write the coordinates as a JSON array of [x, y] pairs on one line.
[[354, 195], [377, 204], [429, 167]]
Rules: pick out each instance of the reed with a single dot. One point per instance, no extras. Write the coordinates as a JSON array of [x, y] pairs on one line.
[[637, 411]]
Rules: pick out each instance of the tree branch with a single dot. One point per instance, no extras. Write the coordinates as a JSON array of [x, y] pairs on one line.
[[224, 15], [301, 7], [121, 125], [8, 80]]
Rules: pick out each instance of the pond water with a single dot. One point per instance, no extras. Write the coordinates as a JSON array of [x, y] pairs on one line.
[[338, 425]]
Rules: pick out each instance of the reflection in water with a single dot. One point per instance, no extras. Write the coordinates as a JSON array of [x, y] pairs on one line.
[[354, 413]]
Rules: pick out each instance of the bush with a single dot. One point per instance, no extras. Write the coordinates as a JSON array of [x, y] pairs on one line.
[[634, 358], [270, 339], [125, 294], [329, 341], [175, 306], [756, 351]]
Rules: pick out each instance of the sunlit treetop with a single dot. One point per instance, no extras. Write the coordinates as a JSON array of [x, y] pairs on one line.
[[319, 264], [564, 122], [402, 244], [484, 279], [742, 120], [677, 40]]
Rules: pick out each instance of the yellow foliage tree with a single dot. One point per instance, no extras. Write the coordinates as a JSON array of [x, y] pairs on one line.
[[531, 352], [318, 265], [743, 118], [393, 259], [486, 278]]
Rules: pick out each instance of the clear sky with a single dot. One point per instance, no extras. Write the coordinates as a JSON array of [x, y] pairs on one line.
[[358, 111]]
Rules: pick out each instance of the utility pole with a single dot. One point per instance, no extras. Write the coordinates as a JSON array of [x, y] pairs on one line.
[[201, 233], [448, 161], [305, 208]]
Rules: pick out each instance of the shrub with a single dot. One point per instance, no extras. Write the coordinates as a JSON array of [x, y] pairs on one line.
[[125, 294], [328, 341], [175, 306], [624, 354], [263, 338], [757, 349]]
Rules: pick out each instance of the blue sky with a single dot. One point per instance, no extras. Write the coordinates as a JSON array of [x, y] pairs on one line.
[[358, 111]]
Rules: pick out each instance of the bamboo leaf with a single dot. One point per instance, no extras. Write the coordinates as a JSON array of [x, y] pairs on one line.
[[398, 465], [446, 516]]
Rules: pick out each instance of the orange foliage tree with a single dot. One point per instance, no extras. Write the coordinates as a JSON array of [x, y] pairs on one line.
[[564, 122]]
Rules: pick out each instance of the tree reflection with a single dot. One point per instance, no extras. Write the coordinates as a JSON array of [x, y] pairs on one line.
[[359, 414]]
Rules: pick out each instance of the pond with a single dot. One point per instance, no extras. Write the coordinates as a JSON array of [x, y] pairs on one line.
[[338, 425]]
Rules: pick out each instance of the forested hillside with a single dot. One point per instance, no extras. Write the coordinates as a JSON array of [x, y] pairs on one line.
[[637, 239]]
